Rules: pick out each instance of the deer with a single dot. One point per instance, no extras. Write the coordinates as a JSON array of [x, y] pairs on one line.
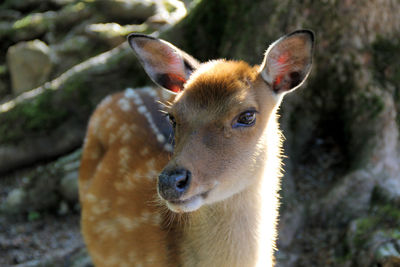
[[187, 173]]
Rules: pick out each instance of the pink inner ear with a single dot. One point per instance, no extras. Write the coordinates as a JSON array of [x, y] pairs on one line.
[[175, 82], [282, 68], [283, 58]]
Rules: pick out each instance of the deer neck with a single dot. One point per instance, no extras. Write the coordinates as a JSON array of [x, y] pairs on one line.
[[239, 231]]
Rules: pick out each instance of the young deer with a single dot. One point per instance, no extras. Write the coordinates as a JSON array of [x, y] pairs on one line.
[[215, 200]]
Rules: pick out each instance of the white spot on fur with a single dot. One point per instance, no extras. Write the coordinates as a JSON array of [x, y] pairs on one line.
[[126, 137], [107, 261], [119, 186], [124, 104], [106, 229], [169, 148], [150, 259], [95, 124], [94, 155], [112, 138], [129, 93], [110, 122], [124, 133], [132, 94], [101, 207], [151, 91], [160, 138], [151, 174], [145, 216], [156, 219], [126, 183], [127, 223], [142, 109], [105, 101], [91, 198], [151, 164], [124, 155]]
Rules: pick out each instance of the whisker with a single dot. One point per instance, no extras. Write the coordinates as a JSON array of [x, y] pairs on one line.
[[168, 105]]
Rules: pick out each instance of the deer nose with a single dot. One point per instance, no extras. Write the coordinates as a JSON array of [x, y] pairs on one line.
[[172, 184]]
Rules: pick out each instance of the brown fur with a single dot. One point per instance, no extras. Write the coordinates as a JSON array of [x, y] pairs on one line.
[[113, 244], [233, 193]]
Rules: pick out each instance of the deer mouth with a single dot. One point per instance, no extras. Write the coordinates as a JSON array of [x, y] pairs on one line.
[[187, 205]]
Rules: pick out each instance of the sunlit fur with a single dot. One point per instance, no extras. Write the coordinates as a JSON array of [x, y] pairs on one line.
[[231, 209], [234, 213], [241, 174]]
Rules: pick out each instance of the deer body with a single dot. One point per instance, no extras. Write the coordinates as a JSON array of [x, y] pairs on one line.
[[213, 201]]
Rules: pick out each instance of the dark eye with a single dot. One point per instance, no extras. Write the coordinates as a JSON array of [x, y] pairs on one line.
[[172, 120], [245, 119]]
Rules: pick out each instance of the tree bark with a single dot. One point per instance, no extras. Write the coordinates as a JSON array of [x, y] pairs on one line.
[[342, 127]]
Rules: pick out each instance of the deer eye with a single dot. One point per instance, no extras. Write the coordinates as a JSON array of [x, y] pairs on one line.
[[172, 120], [245, 119]]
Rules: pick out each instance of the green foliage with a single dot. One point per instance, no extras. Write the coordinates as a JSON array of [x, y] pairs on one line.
[[383, 216], [37, 116], [3, 70], [168, 6], [33, 216], [26, 21]]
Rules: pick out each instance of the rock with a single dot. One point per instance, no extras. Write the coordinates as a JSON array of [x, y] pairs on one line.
[[81, 259], [15, 201], [112, 33], [50, 187], [349, 198], [30, 65], [72, 14], [23, 4], [31, 26], [52, 120], [290, 221], [375, 240], [168, 12], [63, 209], [389, 188], [9, 14], [126, 10], [388, 252], [43, 182], [69, 187], [384, 245]]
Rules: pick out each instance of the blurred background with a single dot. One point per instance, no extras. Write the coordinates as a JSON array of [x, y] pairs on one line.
[[341, 189]]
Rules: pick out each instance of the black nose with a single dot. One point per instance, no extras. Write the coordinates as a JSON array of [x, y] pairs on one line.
[[172, 184]]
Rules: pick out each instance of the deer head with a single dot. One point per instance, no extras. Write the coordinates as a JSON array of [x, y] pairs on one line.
[[220, 115]]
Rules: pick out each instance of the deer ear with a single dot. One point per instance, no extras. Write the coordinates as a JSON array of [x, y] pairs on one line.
[[287, 61], [167, 65]]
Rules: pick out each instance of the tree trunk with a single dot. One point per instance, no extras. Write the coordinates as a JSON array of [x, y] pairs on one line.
[[341, 190]]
